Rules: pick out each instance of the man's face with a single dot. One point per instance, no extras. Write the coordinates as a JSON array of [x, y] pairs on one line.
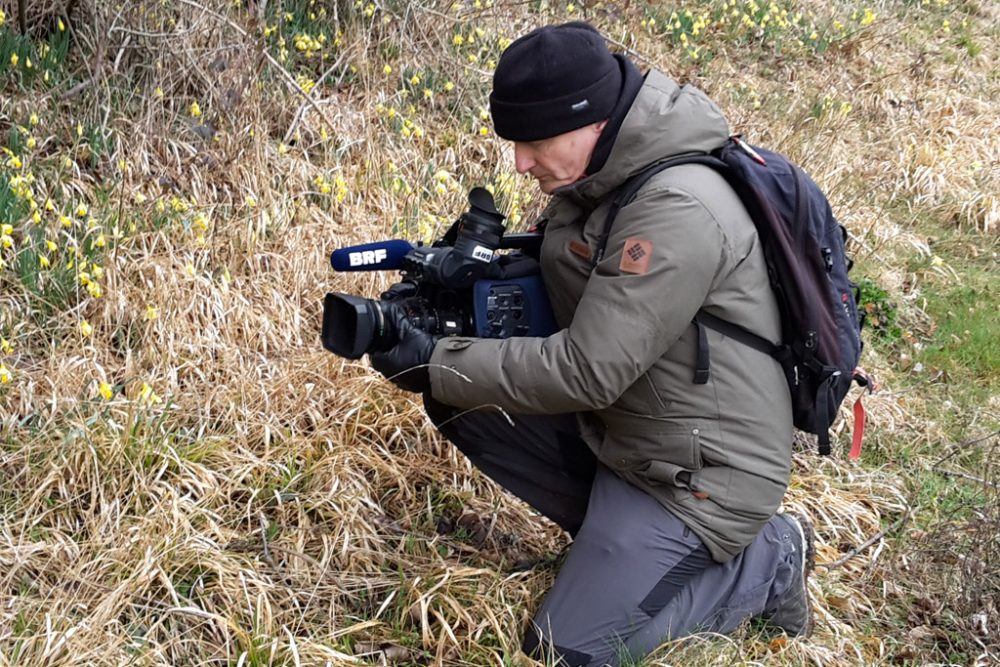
[[560, 160]]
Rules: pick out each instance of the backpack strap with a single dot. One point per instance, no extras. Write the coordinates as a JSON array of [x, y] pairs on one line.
[[703, 319], [629, 189], [702, 362], [739, 333], [823, 392]]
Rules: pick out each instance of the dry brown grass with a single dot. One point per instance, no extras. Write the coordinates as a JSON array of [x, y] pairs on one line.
[[281, 506]]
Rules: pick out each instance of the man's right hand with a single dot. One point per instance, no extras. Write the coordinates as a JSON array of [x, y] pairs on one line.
[[405, 364], [401, 290]]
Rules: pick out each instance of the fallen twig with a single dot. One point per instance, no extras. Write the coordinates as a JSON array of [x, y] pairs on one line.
[[966, 476], [867, 543]]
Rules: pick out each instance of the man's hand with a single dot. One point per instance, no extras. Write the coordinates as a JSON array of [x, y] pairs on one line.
[[405, 365], [513, 265], [401, 290]]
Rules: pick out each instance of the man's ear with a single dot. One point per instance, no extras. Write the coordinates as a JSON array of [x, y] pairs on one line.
[[599, 126]]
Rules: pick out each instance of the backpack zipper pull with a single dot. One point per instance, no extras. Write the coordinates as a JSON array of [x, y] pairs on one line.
[[754, 155]]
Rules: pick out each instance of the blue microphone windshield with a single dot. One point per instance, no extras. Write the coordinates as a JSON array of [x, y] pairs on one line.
[[378, 256]]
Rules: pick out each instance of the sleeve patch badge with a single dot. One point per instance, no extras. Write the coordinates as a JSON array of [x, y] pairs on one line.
[[636, 256], [579, 248]]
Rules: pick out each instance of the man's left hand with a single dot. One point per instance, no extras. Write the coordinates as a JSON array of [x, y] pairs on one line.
[[405, 364]]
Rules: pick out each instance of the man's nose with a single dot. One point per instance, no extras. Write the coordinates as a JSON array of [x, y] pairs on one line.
[[523, 160]]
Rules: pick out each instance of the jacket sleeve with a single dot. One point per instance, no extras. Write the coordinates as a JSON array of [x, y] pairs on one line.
[[627, 317]]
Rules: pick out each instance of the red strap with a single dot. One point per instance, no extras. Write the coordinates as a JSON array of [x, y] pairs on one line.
[[868, 382], [859, 429]]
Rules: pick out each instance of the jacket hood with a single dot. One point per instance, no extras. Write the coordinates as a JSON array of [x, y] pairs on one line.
[[665, 120]]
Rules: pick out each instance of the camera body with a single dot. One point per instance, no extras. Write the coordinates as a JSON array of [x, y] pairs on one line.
[[459, 286]]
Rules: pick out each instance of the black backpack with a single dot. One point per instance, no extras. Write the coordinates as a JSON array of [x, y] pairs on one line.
[[808, 268]]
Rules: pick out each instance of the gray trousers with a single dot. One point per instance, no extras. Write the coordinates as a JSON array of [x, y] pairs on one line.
[[635, 575]]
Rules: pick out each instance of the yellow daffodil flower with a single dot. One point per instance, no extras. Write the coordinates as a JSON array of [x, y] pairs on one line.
[[147, 396]]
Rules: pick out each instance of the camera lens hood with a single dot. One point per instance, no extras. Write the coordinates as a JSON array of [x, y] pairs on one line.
[[352, 325]]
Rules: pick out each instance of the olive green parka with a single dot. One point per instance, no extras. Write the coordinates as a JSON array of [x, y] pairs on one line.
[[716, 454]]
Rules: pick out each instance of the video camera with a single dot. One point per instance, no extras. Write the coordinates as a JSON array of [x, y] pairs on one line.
[[458, 286]]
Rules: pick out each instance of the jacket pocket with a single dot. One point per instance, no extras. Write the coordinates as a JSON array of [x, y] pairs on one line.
[[631, 441], [642, 399], [677, 456], [683, 448], [663, 472]]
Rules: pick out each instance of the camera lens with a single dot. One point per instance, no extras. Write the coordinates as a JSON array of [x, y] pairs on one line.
[[353, 326]]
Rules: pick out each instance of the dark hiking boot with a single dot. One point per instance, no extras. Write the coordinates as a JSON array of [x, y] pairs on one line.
[[794, 614]]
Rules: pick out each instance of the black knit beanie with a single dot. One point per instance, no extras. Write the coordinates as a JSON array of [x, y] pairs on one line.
[[553, 80]]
